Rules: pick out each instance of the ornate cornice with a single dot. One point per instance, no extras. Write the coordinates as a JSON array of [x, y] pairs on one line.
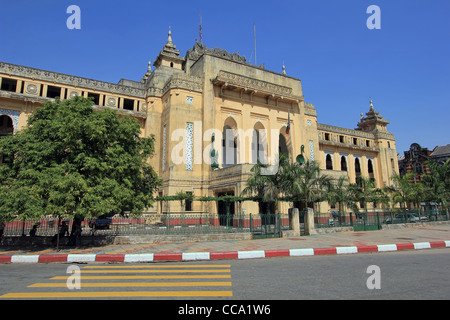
[[61, 78], [253, 84], [180, 81], [199, 49]]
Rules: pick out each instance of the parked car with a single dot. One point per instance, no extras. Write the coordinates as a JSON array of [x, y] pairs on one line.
[[101, 222], [403, 218]]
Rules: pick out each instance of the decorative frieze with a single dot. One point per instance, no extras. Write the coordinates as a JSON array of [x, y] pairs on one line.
[[37, 74], [253, 84]]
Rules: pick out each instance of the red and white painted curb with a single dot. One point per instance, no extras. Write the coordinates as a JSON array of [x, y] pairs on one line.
[[195, 256]]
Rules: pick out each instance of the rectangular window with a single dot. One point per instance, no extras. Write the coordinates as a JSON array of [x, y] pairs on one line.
[[95, 97], [189, 144], [188, 203], [53, 92], [128, 104], [341, 139], [9, 85]]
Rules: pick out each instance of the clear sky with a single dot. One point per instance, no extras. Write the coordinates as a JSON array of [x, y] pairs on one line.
[[404, 66]]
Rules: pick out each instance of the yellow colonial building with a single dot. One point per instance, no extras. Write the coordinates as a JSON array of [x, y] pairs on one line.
[[186, 101]]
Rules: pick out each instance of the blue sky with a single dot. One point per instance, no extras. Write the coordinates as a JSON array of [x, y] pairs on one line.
[[404, 66]]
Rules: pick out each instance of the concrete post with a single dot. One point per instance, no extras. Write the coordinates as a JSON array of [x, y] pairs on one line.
[[294, 221], [309, 222]]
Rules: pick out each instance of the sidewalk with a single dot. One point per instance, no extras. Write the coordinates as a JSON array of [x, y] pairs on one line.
[[409, 238]]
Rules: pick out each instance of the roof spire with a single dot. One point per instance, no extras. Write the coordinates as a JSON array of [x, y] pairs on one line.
[[169, 40]]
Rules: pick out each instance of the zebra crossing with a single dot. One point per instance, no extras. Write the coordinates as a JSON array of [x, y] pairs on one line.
[[134, 281]]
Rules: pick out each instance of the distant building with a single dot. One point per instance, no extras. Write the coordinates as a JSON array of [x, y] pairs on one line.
[[414, 160], [441, 153]]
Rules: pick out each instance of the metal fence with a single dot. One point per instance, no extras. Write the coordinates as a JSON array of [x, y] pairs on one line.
[[375, 220], [174, 223]]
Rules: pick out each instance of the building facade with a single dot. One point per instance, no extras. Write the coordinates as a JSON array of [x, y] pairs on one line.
[[213, 100]]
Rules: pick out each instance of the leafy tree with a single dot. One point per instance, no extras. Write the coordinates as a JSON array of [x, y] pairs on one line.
[[363, 192], [437, 183], [306, 183], [268, 188], [339, 193], [404, 192], [72, 159]]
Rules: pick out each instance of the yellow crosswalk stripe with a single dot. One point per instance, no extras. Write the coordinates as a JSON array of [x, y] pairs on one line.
[[214, 276], [135, 284], [183, 272], [118, 294], [154, 271]]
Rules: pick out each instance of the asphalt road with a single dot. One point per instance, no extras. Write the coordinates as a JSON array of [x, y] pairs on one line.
[[398, 275]]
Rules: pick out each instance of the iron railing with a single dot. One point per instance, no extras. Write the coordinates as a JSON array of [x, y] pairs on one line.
[[375, 220], [173, 223]]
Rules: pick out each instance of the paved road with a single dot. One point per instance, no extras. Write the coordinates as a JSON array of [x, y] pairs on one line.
[[403, 275]]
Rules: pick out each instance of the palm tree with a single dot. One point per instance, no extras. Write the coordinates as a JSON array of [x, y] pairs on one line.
[[404, 192], [267, 188], [363, 192], [339, 193], [306, 183]]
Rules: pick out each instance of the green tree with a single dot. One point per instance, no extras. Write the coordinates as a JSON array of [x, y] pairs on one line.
[[404, 191], [364, 192], [339, 193], [267, 188], [306, 183], [437, 183], [73, 160]]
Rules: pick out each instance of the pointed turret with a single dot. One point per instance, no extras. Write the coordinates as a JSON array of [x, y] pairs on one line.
[[169, 56], [373, 121]]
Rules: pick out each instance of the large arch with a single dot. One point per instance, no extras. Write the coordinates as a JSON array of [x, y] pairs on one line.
[[6, 125], [14, 115], [285, 146]]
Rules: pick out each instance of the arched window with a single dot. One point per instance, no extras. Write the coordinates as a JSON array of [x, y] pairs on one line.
[[259, 144], [357, 167], [370, 166], [6, 125], [370, 169], [343, 163], [282, 147], [329, 162], [229, 143]]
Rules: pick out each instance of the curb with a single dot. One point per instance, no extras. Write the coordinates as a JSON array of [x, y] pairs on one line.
[[230, 255]]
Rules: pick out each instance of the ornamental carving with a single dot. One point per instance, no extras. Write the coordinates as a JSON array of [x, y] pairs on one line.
[[259, 85], [70, 80], [200, 49]]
